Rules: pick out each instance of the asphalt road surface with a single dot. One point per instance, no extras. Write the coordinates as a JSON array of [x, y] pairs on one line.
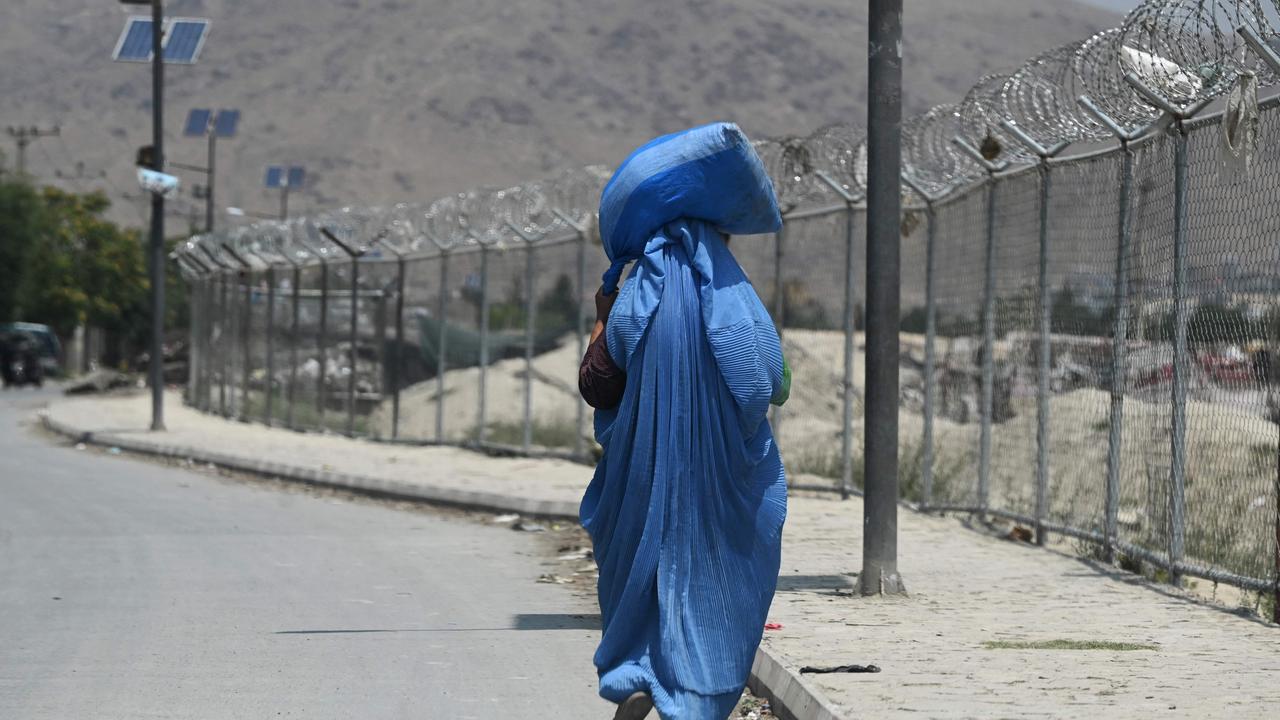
[[134, 590]]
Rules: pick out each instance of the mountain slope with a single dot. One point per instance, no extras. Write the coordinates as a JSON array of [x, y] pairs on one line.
[[387, 100]]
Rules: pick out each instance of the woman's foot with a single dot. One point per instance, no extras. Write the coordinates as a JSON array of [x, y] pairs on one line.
[[636, 707]]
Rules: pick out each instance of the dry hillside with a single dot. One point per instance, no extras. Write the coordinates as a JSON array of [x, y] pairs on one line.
[[388, 100]]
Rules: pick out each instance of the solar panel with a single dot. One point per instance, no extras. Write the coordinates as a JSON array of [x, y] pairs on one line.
[[184, 40], [197, 123], [275, 176], [225, 124], [134, 44], [296, 176]]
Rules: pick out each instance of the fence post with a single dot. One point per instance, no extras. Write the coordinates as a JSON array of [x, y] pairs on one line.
[[530, 320], [296, 292], [846, 430], [581, 419], [1178, 419], [380, 352], [1119, 330], [779, 307], [224, 341], [988, 351], [484, 339], [988, 327], [246, 342], [271, 345], [930, 338], [1178, 412], [352, 341], [1045, 309], [322, 341], [398, 362], [442, 355]]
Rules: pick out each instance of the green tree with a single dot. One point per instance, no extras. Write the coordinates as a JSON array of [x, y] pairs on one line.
[[21, 229], [83, 268]]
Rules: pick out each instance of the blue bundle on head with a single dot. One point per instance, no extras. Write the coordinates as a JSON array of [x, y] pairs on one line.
[[709, 173]]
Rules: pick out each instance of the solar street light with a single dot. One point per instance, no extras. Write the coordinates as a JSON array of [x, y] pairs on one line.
[[283, 178], [177, 42], [203, 122]]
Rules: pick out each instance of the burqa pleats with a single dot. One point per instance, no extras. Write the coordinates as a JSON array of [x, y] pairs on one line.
[[686, 507]]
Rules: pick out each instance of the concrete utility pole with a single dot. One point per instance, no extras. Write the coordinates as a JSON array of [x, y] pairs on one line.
[[24, 136], [884, 205]]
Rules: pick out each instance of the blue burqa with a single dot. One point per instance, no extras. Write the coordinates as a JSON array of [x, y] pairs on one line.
[[686, 507]]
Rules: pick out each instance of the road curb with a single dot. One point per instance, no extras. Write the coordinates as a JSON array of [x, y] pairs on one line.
[[790, 696], [382, 487]]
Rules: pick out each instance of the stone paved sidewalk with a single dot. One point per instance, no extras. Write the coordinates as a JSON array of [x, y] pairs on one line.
[[967, 589]]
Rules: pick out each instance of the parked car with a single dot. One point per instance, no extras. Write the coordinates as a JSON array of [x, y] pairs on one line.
[[48, 347]]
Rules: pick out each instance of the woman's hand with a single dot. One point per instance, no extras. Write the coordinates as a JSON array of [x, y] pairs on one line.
[[604, 303]]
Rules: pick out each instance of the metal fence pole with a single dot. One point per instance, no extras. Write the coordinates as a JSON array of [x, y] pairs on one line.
[[398, 362], [224, 342], [1178, 420], [484, 341], [271, 346], [352, 340], [1044, 308], [879, 574], [322, 342], [581, 419], [779, 307], [1044, 365], [1119, 359], [930, 353], [380, 352], [246, 325], [296, 291], [988, 351], [442, 342], [530, 320], [988, 326], [850, 302]]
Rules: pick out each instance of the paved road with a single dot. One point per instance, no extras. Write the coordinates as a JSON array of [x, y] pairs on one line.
[[133, 590]]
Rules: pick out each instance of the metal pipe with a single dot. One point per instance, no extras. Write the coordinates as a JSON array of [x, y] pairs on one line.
[[581, 419], [884, 201], [352, 340], [988, 352], [1044, 366], [1181, 371], [155, 368], [779, 309], [442, 355], [398, 362], [322, 341], [530, 318], [224, 344], [1119, 359], [850, 302], [271, 345], [850, 305], [293, 346], [246, 325], [481, 431], [930, 352]]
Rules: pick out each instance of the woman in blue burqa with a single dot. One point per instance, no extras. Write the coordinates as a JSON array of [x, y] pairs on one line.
[[686, 507]]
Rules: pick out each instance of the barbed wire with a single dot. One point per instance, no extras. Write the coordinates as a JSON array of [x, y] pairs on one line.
[[1186, 51]]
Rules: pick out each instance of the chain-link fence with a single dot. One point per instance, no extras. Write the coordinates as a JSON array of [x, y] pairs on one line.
[[1088, 334]]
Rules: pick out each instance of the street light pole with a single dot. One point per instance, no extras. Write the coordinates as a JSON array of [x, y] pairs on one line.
[[884, 203], [156, 255]]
